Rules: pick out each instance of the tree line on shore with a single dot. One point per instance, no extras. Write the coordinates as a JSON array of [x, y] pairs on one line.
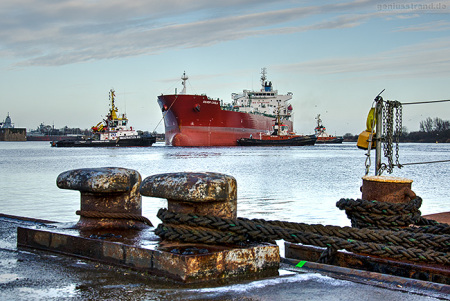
[[431, 130]]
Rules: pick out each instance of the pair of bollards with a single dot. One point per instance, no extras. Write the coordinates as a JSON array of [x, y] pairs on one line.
[[111, 197], [111, 211]]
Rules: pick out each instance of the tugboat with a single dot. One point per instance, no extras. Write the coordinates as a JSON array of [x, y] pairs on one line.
[[322, 136], [280, 136], [112, 131]]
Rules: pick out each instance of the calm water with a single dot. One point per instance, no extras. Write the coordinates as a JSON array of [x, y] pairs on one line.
[[300, 184]]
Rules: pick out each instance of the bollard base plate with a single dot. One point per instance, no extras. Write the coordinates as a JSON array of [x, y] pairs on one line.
[[413, 270], [142, 251]]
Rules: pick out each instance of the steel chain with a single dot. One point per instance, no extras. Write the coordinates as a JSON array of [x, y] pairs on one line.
[[398, 130], [389, 133], [387, 142], [369, 146]]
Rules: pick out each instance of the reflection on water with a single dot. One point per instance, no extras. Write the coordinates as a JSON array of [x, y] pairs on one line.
[[299, 184], [67, 291], [189, 155]]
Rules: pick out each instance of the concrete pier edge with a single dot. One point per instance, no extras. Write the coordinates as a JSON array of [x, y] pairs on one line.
[[419, 287]]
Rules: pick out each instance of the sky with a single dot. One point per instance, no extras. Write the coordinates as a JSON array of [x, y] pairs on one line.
[[59, 59]]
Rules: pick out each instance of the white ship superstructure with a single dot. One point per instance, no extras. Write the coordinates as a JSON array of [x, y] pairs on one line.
[[265, 101]]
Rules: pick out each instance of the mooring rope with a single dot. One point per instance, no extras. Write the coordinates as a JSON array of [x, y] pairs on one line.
[[376, 207], [428, 162], [402, 238], [245, 231], [364, 213], [424, 102], [97, 214], [385, 215]]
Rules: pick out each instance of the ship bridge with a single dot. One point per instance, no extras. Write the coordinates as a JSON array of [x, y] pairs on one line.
[[265, 101]]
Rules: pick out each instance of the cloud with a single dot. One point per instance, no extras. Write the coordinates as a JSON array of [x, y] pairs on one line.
[[424, 59], [64, 32], [53, 33], [430, 26]]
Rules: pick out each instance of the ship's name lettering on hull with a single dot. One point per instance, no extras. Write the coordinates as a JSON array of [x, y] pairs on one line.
[[211, 102]]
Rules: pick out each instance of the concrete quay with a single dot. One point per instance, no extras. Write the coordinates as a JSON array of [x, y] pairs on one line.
[[28, 274]]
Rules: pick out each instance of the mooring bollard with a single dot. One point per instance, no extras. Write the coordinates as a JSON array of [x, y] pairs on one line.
[[387, 189], [205, 193], [110, 197]]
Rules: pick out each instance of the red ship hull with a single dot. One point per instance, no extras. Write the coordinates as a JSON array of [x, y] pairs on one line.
[[196, 120], [330, 139]]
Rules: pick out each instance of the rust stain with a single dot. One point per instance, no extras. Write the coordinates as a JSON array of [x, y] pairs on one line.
[[106, 190], [199, 193], [58, 240], [112, 250], [42, 238], [387, 189]]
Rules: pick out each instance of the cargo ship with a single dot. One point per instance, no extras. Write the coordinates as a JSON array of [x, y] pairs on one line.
[[198, 120]]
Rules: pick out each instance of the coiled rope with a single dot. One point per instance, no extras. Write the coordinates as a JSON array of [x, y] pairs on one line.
[[209, 229], [393, 216], [363, 214], [97, 214]]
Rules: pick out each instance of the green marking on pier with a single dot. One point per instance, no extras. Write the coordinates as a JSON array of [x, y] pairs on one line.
[[301, 264]]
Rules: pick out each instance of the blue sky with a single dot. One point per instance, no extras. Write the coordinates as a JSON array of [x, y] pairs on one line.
[[58, 59]]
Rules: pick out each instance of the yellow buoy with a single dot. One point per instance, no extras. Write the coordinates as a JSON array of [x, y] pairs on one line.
[[364, 137]]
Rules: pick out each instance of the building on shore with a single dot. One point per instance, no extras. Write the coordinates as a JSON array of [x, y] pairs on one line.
[[9, 133]]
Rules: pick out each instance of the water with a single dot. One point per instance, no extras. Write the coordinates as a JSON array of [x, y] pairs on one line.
[[298, 184]]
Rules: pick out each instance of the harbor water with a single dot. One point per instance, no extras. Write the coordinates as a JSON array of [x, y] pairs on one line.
[[298, 184]]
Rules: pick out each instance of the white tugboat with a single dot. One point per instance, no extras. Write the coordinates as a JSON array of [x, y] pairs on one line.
[[112, 131]]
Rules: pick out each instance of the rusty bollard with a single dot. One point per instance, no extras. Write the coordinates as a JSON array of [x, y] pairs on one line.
[[110, 197], [204, 193], [387, 189]]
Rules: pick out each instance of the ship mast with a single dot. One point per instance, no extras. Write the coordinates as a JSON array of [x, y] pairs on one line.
[[319, 121], [263, 78], [277, 126], [320, 129], [113, 107], [184, 78]]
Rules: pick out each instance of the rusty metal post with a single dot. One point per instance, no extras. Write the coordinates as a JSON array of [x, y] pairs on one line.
[[378, 133], [387, 189], [110, 197], [205, 193]]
